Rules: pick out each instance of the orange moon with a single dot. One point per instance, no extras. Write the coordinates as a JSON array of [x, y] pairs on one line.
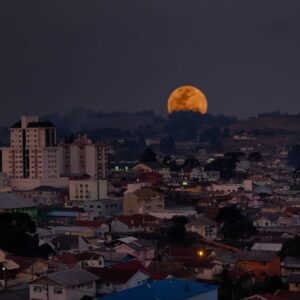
[[187, 98]]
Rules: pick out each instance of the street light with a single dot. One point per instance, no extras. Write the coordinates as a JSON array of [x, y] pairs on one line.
[[4, 277], [200, 253]]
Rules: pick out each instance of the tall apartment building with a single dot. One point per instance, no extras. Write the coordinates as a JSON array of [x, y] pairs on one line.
[[83, 157], [32, 158]]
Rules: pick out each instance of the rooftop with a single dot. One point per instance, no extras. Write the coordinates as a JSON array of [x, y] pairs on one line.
[[263, 256], [71, 277], [10, 200], [175, 289], [292, 262]]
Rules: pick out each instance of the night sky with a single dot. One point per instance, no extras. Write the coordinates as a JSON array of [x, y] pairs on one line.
[[128, 55]]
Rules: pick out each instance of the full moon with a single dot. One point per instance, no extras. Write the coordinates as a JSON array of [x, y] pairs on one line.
[[187, 98]]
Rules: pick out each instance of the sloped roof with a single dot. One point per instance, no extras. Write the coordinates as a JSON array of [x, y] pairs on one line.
[[45, 188], [135, 220], [293, 278], [114, 275], [147, 193], [133, 264], [71, 277], [10, 200], [67, 258], [87, 256], [292, 262], [202, 221], [65, 242], [263, 256], [176, 289]]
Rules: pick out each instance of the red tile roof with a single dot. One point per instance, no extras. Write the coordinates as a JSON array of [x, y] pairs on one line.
[[67, 259], [135, 220], [130, 265], [114, 275], [94, 224]]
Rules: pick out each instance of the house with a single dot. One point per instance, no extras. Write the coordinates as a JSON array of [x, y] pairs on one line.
[[293, 282], [70, 244], [99, 227], [64, 285], [265, 220], [113, 258], [167, 289], [9, 267], [142, 250], [260, 263], [61, 217], [115, 280], [132, 223], [90, 260], [12, 203], [290, 265], [143, 201], [103, 207], [30, 267], [203, 268], [276, 247], [206, 228], [82, 231], [66, 261], [45, 195], [169, 269]]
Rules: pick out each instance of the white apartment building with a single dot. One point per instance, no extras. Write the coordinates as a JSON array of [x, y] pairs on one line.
[[32, 158], [82, 189], [83, 157]]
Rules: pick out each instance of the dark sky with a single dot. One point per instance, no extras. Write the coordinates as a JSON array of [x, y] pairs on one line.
[[129, 54]]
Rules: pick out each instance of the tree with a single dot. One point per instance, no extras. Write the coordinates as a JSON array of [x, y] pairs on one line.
[[167, 145], [255, 157], [177, 233], [235, 226], [17, 232], [182, 220], [291, 247], [216, 146], [149, 156], [192, 162], [226, 166], [226, 133], [86, 298], [294, 156]]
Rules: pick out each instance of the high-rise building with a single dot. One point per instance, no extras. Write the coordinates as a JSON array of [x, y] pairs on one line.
[[82, 157], [32, 158]]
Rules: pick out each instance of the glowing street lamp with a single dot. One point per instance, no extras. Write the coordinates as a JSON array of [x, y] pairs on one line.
[[4, 277], [200, 253]]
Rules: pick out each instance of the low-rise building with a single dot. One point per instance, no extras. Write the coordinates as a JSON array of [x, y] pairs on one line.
[[105, 207], [143, 201], [85, 188], [115, 280], [132, 223], [206, 228], [261, 264], [11, 203], [64, 285], [142, 250], [290, 265], [168, 289]]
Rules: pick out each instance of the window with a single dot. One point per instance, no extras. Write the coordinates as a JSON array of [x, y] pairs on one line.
[[89, 285], [37, 289], [57, 290]]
